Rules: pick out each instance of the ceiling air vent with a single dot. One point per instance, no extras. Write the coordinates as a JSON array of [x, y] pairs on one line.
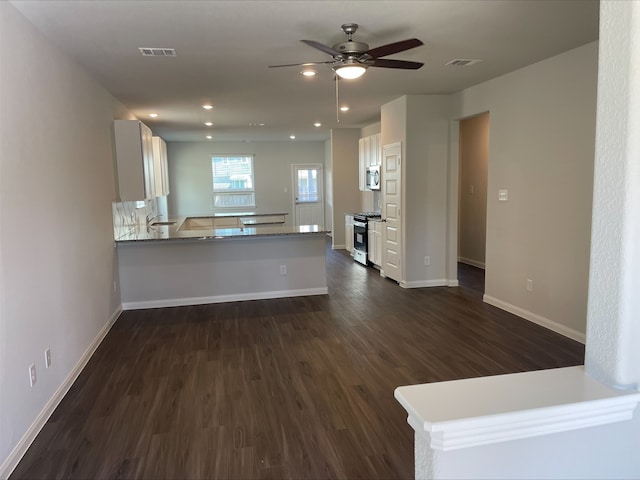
[[157, 52], [462, 62]]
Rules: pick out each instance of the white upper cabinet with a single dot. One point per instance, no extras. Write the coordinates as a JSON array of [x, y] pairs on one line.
[[369, 155], [134, 158], [160, 167], [362, 167]]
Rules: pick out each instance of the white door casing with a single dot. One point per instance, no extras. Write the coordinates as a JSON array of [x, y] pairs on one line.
[[308, 194], [391, 212]]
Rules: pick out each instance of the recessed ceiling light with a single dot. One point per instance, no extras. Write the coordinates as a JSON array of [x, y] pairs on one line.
[[317, 124], [207, 106], [208, 124], [153, 115], [292, 137], [261, 124], [344, 108], [209, 137], [308, 73]]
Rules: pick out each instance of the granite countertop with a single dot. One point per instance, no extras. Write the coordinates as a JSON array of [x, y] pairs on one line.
[[171, 230]]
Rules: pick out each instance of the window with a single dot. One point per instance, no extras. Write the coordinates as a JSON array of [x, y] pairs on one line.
[[307, 185], [233, 184]]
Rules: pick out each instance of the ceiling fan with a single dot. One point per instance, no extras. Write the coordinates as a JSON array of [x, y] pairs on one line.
[[351, 59]]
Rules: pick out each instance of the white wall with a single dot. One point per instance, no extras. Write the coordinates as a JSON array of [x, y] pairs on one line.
[[58, 267], [190, 180], [328, 188], [425, 187], [345, 168], [541, 150]]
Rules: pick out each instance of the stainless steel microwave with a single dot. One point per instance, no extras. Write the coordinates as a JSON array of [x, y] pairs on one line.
[[373, 177]]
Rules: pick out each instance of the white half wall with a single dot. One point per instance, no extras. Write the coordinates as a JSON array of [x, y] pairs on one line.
[[58, 259], [542, 122], [184, 272]]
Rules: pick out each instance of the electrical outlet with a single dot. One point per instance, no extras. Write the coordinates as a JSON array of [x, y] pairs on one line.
[[283, 269], [47, 357], [32, 374], [427, 260], [529, 285]]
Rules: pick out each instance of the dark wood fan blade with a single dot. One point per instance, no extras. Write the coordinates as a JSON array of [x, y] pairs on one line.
[[388, 63], [321, 47], [392, 48], [308, 64]]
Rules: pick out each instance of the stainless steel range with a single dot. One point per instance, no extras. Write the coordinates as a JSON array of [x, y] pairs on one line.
[[361, 235]]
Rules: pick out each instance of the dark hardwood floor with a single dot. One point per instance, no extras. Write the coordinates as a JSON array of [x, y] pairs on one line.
[[287, 388], [471, 278]]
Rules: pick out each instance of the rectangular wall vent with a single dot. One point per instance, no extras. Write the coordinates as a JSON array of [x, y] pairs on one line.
[[462, 62], [157, 52]]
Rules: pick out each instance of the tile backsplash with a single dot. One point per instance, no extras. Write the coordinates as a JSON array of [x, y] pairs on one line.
[[128, 215]]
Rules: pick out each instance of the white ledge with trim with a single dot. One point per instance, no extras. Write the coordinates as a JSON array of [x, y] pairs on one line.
[[472, 412]]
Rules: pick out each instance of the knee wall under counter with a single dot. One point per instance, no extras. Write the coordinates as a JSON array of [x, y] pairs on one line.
[[160, 274]]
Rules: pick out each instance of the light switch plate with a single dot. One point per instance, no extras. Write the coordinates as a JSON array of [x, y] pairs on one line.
[[503, 195]]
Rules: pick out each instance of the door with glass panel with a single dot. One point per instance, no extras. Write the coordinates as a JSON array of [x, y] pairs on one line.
[[308, 198]]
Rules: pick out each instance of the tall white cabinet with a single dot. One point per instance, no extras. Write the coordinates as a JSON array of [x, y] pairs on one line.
[[134, 159]]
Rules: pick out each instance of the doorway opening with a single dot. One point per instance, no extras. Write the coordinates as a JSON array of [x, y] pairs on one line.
[[472, 201]]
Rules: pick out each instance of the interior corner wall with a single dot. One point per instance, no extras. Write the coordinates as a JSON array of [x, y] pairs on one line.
[[474, 158], [542, 151], [190, 181], [345, 170], [328, 188], [58, 261]]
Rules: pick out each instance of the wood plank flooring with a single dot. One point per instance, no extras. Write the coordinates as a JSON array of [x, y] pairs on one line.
[[287, 388]]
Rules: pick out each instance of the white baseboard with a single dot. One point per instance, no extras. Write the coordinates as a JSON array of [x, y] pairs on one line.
[[338, 247], [535, 318], [454, 283], [425, 283], [27, 439], [470, 261], [180, 302]]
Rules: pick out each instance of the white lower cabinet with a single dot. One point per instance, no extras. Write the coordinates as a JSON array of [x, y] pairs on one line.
[[374, 247], [348, 232]]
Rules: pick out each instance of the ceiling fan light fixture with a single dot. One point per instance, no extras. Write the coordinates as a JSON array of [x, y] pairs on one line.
[[350, 70]]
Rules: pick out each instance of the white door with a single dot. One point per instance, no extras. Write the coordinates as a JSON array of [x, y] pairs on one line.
[[391, 215], [308, 195]]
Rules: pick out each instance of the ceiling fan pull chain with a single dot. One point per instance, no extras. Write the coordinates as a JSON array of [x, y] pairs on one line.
[[337, 101]]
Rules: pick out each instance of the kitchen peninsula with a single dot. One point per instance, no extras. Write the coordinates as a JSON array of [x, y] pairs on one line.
[[190, 261]]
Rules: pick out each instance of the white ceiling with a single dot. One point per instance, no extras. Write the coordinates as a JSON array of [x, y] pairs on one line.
[[224, 48]]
